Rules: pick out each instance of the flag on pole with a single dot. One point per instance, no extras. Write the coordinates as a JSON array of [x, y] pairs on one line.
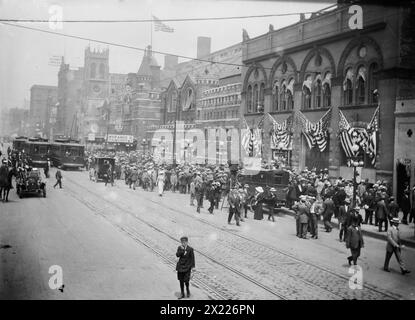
[[247, 138], [160, 26], [373, 127], [316, 133]]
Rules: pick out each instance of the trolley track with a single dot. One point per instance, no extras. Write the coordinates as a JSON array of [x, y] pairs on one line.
[[283, 258]]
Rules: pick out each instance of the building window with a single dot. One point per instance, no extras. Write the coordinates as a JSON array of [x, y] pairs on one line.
[[275, 93], [249, 99], [101, 71], [361, 85], [348, 87], [283, 97], [93, 72], [261, 97], [317, 92], [373, 79], [255, 99], [326, 86], [307, 92]]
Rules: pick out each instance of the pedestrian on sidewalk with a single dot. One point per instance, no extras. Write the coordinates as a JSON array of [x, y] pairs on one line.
[[185, 266], [393, 246], [382, 214], [199, 190], [301, 213], [59, 178], [328, 211], [160, 182], [354, 241], [315, 210], [192, 192]]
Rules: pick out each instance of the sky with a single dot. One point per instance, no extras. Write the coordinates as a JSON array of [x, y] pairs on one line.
[[25, 54]]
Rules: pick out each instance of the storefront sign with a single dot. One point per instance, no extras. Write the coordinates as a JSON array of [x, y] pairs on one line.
[[122, 138]]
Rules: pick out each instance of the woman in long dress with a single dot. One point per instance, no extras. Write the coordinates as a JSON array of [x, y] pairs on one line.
[[160, 183]]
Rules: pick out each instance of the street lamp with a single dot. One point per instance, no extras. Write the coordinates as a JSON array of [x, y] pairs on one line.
[[356, 162], [144, 144]]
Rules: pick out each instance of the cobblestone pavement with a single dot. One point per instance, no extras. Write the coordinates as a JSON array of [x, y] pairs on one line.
[[230, 265]]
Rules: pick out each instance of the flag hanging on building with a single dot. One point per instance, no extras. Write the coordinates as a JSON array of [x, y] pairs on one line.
[[257, 142], [160, 26], [247, 139], [280, 135], [316, 133], [373, 128]]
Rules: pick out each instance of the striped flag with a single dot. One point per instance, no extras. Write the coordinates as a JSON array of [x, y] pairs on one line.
[[247, 139], [372, 128], [257, 142], [160, 26], [316, 133], [280, 136]]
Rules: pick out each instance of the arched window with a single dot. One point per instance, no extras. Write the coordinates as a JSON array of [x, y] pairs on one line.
[[101, 71], [93, 72], [317, 92], [373, 82], [249, 99], [173, 102], [255, 100], [348, 87], [283, 98], [261, 96], [275, 93], [326, 86], [307, 92], [290, 94], [361, 85]]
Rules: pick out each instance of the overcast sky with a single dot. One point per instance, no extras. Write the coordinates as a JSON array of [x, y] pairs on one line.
[[24, 54]]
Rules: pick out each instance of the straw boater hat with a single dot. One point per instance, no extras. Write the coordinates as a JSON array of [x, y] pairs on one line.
[[272, 190], [395, 220], [259, 189]]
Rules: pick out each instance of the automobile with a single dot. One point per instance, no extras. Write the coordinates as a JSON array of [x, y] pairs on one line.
[[277, 179], [31, 182], [99, 168]]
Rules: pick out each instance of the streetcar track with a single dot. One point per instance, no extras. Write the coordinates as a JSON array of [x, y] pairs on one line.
[[168, 260], [227, 231]]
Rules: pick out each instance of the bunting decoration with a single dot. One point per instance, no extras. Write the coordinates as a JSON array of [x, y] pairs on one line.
[[316, 133], [363, 137], [252, 139], [280, 134]]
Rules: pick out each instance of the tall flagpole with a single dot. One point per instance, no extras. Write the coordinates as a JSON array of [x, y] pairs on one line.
[[151, 31]]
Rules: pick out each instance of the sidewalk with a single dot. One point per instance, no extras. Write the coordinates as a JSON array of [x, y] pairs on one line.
[[407, 231]]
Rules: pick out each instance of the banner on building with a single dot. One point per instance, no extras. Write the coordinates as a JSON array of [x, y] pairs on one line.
[[281, 134], [316, 133], [365, 138], [252, 139], [120, 138]]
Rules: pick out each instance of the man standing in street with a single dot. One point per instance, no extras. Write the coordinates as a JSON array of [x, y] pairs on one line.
[[344, 217], [58, 177], [185, 266], [199, 190], [354, 241], [382, 214], [393, 246]]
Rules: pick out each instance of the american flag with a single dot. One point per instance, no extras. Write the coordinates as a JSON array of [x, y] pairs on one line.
[[257, 142], [247, 139], [372, 128], [316, 133], [280, 135], [160, 26]]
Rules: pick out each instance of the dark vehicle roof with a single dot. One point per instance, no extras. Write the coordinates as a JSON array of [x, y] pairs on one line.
[[68, 144], [38, 142]]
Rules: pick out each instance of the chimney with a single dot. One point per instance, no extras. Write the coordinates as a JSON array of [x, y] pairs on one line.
[[203, 47], [170, 62]]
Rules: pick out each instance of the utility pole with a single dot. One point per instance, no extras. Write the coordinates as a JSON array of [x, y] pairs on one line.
[[176, 115]]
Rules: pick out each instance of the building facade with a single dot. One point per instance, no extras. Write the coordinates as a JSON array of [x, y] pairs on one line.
[[320, 64], [42, 100]]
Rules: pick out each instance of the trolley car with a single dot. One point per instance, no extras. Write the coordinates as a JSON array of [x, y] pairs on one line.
[[67, 154], [37, 151]]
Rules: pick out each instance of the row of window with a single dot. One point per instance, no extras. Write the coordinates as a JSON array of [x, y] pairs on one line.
[[358, 89], [226, 100], [226, 114], [227, 88]]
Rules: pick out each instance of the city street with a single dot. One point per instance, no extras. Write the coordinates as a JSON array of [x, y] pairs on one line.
[[119, 243]]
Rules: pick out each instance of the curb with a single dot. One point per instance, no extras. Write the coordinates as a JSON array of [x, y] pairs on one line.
[[377, 235]]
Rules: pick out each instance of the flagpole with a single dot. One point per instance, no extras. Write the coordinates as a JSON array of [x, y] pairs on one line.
[[151, 31]]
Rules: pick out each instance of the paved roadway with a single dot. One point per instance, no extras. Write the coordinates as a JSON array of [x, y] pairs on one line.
[[117, 243]]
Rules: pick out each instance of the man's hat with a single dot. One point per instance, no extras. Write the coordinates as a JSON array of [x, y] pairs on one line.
[[184, 239], [272, 190], [395, 220], [259, 189], [347, 200], [246, 186]]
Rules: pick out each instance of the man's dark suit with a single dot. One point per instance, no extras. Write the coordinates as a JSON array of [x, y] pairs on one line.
[[328, 211], [186, 259], [354, 242], [344, 220]]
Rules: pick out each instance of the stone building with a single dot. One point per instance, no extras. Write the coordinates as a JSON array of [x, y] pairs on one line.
[[186, 85], [320, 63]]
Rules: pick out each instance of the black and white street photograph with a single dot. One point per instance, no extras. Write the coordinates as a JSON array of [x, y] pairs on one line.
[[207, 150]]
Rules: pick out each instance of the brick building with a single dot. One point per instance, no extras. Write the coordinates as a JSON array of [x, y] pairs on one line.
[[320, 63], [42, 100]]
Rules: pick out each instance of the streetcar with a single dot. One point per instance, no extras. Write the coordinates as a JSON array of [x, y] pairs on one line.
[[19, 143], [37, 151], [67, 154]]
